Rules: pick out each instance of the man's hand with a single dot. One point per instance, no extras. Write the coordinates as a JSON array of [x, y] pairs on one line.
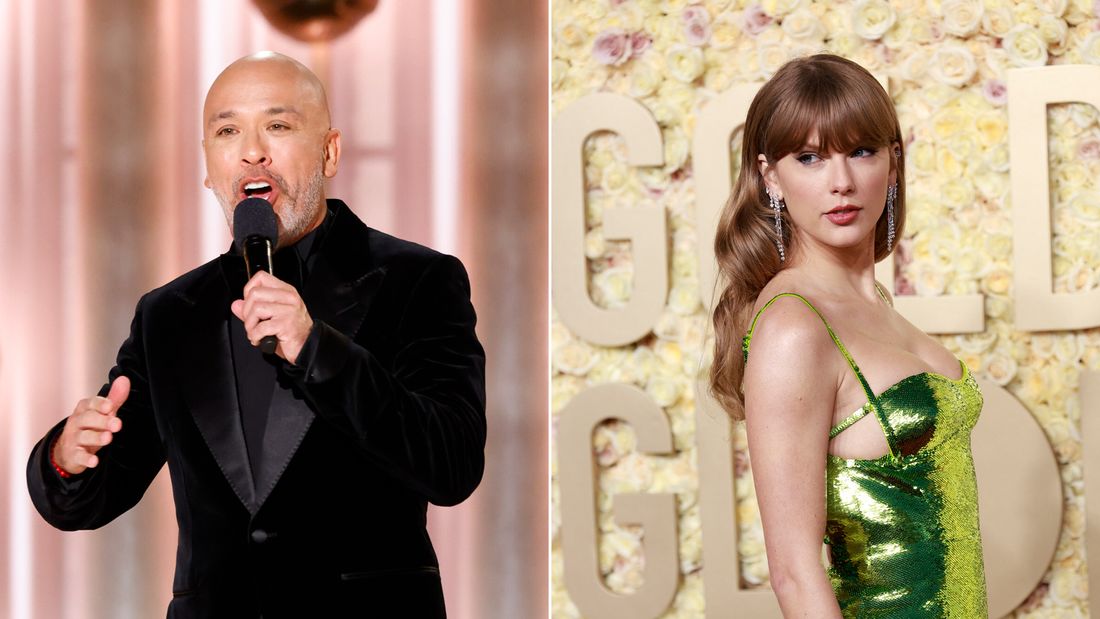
[[91, 426], [273, 307]]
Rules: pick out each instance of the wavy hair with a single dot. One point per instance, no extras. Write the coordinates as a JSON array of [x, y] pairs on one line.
[[847, 108]]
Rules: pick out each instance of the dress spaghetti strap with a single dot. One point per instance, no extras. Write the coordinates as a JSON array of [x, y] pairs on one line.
[[872, 400]]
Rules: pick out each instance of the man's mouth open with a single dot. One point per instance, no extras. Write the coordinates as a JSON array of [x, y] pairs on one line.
[[258, 189]]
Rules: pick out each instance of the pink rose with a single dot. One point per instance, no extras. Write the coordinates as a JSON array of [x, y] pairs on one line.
[[612, 47], [639, 42], [696, 25], [1089, 148], [903, 255], [699, 13], [995, 92], [754, 20]]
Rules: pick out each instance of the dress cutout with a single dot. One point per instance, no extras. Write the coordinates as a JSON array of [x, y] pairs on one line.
[[903, 529]]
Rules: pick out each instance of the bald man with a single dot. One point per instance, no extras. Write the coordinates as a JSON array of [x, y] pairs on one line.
[[300, 478]]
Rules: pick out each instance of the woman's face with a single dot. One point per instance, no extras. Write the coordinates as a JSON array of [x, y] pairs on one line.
[[834, 198]]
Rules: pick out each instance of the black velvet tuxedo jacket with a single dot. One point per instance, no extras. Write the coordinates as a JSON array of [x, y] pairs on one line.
[[386, 414]]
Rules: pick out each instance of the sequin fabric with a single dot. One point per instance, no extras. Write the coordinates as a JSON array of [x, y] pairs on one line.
[[902, 530]]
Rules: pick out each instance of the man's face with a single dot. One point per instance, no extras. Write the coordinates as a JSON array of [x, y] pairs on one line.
[[266, 134]]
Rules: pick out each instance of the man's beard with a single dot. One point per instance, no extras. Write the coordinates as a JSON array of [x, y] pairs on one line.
[[297, 211]]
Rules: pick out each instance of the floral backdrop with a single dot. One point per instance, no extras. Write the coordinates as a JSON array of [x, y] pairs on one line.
[[946, 63]]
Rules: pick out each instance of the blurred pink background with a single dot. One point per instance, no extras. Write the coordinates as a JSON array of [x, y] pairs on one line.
[[442, 105]]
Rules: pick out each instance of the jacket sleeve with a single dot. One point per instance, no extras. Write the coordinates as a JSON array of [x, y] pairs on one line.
[[421, 415], [126, 466]]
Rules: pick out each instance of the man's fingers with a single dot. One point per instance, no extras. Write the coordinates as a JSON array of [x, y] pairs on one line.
[[95, 420], [93, 439], [237, 307], [261, 330], [120, 390], [263, 279], [259, 312]]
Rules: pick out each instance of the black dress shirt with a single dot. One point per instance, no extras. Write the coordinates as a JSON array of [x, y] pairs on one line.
[[256, 373]]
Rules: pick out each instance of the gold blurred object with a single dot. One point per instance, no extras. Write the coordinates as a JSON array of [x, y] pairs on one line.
[[314, 20]]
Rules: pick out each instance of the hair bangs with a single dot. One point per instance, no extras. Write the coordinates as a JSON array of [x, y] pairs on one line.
[[832, 113]]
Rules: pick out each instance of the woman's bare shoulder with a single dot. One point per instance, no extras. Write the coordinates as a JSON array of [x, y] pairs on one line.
[[791, 367], [788, 329]]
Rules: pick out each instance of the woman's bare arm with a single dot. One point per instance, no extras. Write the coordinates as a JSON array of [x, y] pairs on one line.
[[790, 388]]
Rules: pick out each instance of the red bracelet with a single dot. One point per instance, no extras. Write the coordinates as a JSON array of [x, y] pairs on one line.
[[57, 467]]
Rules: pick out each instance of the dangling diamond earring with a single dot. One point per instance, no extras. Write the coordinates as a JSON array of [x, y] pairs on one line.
[[891, 197], [777, 205]]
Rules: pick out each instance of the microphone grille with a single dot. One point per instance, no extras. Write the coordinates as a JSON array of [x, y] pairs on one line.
[[254, 216]]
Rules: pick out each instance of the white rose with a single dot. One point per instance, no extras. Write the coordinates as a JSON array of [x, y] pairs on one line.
[[872, 18], [667, 327], [779, 8], [1053, 30], [967, 260], [626, 15], [1085, 208], [1079, 278], [772, 56], [685, 63], [961, 17], [1052, 7], [611, 441], [928, 280], [683, 299], [975, 343], [618, 179], [914, 67], [718, 6], [952, 64], [575, 357], [669, 352], [1082, 114], [996, 158], [563, 388], [957, 192], [594, 245], [991, 185], [1090, 48], [1001, 369], [803, 24], [998, 22], [725, 31], [614, 285], [677, 149], [1025, 47], [665, 390], [645, 77]]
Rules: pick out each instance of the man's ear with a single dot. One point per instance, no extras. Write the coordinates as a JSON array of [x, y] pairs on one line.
[[332, 153], [767, 172], [206, 179]]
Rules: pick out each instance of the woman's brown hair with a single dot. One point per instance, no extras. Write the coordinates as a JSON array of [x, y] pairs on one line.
[[847, 108]]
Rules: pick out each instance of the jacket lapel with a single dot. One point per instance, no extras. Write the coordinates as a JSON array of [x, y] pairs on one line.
[[206, 370], [339, 291]]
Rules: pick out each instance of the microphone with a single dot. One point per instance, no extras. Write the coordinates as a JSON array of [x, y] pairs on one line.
[[256, 233]]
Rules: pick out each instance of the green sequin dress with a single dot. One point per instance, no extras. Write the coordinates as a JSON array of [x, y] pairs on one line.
[[903, 529]]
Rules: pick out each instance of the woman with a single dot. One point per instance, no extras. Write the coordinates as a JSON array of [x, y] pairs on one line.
[[819, 199]]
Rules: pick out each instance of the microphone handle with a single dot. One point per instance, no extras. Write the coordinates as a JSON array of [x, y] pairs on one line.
[[257, 257]]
